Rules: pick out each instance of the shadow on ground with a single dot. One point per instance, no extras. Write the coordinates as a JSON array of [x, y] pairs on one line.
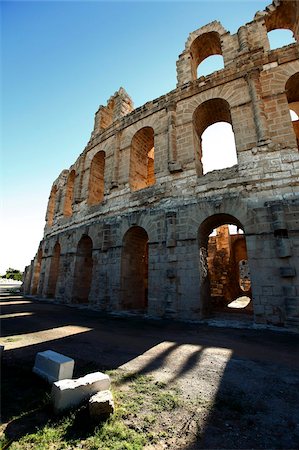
[[245, 381]]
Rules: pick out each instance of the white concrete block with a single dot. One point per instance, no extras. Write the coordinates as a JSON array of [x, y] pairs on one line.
[[101, 404], [68, 393], [53, 366]]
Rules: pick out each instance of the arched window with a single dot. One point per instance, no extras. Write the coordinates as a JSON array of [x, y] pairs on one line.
[[213, 136], [51, 206], [283, 17], [96, 179], [134, 269], [209, 65], [203, 47], [142, 168], [280, 38], [292, 93], [83, 270], [69, 194]]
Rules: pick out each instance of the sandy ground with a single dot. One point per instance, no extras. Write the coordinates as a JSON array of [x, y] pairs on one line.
[[244, 383]]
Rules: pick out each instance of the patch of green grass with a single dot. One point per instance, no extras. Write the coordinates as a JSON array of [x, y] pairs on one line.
[[138, 402], [166, 401], [116, 435]]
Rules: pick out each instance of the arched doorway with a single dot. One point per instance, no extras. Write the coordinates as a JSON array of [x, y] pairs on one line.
[[225, 285], [54, 271], [134, 269], [83, 271]]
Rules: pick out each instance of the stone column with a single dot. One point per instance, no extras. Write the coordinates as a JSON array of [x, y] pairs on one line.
[[79, 180], [173, 164], [257, 106], [117, 141], [243, 39]]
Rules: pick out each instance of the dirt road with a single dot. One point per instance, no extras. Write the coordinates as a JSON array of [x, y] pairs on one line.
[[244, 382]]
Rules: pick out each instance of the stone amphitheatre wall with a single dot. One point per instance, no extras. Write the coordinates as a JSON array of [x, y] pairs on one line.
[[127, 224]]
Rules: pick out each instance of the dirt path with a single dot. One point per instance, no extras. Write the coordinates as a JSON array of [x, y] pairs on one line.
[[243, 383]]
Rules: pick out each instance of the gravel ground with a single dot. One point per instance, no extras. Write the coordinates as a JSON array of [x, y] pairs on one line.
[[242, 384]]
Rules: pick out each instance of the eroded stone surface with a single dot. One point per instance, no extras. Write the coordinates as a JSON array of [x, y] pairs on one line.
[[69, 393], [101, 404]]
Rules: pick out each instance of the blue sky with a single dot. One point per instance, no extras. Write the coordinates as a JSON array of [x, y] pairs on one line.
[[60, 61]]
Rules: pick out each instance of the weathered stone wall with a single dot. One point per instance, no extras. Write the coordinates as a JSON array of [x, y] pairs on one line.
[[180, 207]]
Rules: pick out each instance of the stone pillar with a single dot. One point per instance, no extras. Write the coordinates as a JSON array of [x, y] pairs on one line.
[[243, 39], [173, 164], [79, 179], [117, 141], [258, 113], [171, 229]]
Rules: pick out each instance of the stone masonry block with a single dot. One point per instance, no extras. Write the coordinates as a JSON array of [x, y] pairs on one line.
[[101, 404], [53, 366], [68, 393], [288, 271]]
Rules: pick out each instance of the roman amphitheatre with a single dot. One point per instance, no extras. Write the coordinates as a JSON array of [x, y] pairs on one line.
[[137, 225], [179, 281]]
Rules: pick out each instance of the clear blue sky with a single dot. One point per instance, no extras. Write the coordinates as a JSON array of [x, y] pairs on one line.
[[60, 61]]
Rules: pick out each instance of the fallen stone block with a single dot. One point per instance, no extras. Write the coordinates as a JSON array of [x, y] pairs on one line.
[[101, 405], [53, 366], [69, 393]]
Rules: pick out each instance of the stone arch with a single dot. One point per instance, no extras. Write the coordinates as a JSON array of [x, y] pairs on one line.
[[96, 183], [54, 271], [51, 205], [36, 272], [204, 46], [205, 115], [83, 270], [134, 269], [201, 43], [69, 194], [292, 93], [207, 226], [283, 15], [142, 168]]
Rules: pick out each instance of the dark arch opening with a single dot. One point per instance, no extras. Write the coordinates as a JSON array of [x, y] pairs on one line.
[[142, 168], [225, 285], [54, 271], [51, 206], [96, 179], [69, 194], [211, 113], [83, 271], [134, 270]]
